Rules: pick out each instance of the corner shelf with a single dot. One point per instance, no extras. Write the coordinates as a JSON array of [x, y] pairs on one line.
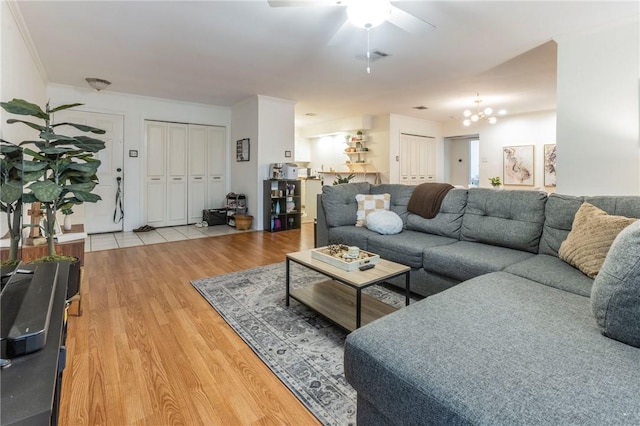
[[283, 205]]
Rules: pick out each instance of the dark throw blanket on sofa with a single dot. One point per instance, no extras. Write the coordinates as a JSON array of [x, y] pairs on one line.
[[426, 199]]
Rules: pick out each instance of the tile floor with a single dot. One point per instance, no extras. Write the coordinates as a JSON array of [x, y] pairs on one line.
[[116, 240]]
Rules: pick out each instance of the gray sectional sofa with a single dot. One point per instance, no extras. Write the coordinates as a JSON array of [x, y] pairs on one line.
[[508, 333]]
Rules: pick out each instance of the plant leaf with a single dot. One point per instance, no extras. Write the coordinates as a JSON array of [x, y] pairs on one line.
[[86, 168], [63, 107], [22, 107], [87, 143], [87, 197], [28, 123], [45, 191], [83, 128], [10, 192], [31, 166]]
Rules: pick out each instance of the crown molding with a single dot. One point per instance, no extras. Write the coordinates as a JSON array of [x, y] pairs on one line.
[[14, 9]]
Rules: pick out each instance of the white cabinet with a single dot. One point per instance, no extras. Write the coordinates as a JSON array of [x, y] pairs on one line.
[[185, 171], [417, 159]]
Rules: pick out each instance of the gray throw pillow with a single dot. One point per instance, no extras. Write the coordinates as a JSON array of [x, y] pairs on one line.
[[615, 295]]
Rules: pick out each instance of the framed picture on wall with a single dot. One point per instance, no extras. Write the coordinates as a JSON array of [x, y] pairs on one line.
[[550, 165], [518, 165], [242, 150]]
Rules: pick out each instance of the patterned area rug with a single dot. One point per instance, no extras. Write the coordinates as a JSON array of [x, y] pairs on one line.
[[301, 347]]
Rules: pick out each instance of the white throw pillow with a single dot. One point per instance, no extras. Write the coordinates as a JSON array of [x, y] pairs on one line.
[[384, 222]]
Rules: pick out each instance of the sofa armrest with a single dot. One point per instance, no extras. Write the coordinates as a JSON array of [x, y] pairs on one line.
[[321, 227]]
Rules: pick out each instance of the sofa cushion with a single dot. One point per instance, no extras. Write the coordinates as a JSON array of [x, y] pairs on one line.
[[339, 202], [512, 219], [464, 260], [496, 350], [550, 270], [384, 222], [405, 247], [615, 297], [448, 222], [369, 203], [559, 213], [350, 235], [400, 196], [591, 235], [561, 209]]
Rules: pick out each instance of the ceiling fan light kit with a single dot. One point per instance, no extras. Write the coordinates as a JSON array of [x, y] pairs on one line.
[[368, 14]]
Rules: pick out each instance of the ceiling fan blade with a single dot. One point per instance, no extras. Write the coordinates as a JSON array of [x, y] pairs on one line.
[[408, 22], [303, 3], [340, 33]]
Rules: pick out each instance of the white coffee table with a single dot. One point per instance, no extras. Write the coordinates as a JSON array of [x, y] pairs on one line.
[[340, 298]]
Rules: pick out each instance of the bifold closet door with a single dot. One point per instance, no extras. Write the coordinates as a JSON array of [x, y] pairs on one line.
[[166, 173], [417, 159], [206, 169]]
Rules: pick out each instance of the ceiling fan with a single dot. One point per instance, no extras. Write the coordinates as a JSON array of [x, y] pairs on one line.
[[365, 14]]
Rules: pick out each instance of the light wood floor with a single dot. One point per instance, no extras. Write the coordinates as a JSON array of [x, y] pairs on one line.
[[150, 350]]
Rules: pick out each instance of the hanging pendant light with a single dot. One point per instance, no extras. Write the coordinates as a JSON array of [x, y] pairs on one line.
[[479, 114]]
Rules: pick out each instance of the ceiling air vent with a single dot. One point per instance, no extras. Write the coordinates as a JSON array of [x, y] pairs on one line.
[[375, 55]]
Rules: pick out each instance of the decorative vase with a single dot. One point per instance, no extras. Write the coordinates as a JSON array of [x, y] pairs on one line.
[[278, 207], [67, 222], [277, 224]]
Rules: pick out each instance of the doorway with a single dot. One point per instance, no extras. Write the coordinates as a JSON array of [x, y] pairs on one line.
[[107, 214], [462, 160]]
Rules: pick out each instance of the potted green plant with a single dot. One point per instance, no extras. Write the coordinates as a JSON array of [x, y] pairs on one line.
[[63, 167], [339, 179], [495, 181]]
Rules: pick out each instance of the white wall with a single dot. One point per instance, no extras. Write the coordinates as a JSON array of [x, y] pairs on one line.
[[276, 124], [598, 148], [21, 73], [244, 174], [269, 123], [21, 76], [535, 129], [135, 110]]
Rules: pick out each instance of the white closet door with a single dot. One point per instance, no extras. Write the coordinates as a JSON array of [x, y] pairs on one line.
[[197, 172], [156, 181], [216, 166], [185, 172], [417, 159], [176, 174]]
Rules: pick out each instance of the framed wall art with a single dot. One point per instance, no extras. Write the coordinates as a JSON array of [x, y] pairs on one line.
[[242, 150], [550, 165], [518, 165]]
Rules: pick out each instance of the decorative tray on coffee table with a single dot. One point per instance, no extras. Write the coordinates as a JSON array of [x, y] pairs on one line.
[[334, 255]]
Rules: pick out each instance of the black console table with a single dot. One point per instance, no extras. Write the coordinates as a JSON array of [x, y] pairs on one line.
[[30, 386]]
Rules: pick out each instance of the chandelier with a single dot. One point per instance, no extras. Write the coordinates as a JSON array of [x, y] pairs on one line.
[[479, 114]]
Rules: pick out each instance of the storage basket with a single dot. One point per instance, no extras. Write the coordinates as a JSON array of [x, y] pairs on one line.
[[243, 222]]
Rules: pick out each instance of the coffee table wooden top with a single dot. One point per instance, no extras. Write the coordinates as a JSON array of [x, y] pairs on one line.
[[383, 270]]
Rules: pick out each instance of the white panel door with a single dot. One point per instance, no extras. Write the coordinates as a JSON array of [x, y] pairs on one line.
[[99, 217], [176, 174], [156, 180], [197, 172], [216, 167], [417, 159]]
